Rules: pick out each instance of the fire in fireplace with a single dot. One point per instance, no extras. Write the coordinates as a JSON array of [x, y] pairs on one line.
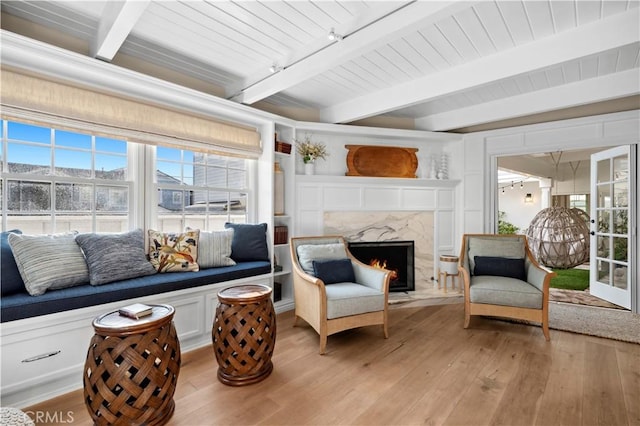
[[395, 256]]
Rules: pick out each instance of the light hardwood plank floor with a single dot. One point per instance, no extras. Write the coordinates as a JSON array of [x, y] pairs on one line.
[[430, 371]]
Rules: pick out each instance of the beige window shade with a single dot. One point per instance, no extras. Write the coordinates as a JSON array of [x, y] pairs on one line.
[[36, 99]]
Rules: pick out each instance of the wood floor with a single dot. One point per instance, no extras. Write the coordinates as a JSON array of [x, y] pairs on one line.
[[430, 371]]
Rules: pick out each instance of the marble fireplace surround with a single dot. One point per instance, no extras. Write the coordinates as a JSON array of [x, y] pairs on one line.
[[389, 226]]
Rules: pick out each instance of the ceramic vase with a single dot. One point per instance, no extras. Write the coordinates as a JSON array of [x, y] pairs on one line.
[[278, 190], [309, 168]]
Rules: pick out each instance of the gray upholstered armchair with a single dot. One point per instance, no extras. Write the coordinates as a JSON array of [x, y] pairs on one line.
[[334, 291], [501, 278]]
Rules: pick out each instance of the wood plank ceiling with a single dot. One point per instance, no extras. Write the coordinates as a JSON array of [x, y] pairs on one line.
[[442, 65]]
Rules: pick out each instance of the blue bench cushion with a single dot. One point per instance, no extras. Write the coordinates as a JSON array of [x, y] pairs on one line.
[[22, 305]]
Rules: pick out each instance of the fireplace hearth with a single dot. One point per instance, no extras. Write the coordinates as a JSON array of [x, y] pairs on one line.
[[395, 256]]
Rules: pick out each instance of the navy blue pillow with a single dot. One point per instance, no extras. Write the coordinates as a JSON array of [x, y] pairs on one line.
[[334, 271], [249, 242], [9, 274], [500, 267]]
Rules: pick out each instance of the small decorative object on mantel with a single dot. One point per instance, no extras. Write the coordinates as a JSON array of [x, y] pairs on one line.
[[443, 171], [310, 152], [381, 161]]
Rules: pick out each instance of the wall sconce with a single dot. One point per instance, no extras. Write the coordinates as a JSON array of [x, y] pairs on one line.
[[528, 199]]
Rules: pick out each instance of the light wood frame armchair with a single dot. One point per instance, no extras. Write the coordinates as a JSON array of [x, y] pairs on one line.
[[314, 299], [502, 296]]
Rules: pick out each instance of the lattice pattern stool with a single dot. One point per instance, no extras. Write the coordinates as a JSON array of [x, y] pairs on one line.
[[244, 334], [448, 267], [132, 369]]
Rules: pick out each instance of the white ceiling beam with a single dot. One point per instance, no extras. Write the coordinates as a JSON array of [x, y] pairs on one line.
[[613, 32], [410, 18], [116, 22], [610, 86]]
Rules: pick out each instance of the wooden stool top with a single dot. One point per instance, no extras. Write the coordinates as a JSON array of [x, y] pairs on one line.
[[244, 294], [114, 324]]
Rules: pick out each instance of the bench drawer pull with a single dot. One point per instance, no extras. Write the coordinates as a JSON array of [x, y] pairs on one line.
[[39, 357]]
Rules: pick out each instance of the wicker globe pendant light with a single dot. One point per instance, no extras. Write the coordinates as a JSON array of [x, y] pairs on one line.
[[559, 237]]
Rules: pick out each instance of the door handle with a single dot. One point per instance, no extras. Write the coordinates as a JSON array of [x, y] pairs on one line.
[[593, 232]]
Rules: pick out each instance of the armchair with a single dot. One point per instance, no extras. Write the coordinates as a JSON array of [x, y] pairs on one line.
[[501, 278], [354, 294]]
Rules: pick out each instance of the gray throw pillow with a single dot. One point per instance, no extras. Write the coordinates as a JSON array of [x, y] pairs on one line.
[[48, 262], [114, 257], [215, 248], [307, 253]]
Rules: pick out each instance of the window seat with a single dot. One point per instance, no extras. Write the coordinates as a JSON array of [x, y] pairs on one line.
[[22, 305]]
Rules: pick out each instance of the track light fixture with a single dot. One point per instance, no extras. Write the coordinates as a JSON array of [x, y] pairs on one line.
[[333, 36], [275, 68]]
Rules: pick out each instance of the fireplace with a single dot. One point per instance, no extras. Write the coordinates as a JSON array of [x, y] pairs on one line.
[[395, 256]]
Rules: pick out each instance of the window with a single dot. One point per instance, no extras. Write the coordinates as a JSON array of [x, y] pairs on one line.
[[57, 180], [199, 190], [579, 201]]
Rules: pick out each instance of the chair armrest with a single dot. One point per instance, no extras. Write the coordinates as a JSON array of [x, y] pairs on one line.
[[537, 275], [371, 277]]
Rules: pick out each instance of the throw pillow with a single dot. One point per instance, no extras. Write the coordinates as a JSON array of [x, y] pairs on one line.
[[334, 271], [500, 267], [174, 252], [215, 248], [307, 253], [249, 242], [115, 257], [9, 274], [48, 262]]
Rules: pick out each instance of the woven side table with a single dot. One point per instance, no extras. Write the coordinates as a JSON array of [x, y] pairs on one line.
[[244, 334], [132, 369]]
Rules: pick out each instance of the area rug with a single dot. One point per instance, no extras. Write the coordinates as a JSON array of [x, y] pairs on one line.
[[595, 321]]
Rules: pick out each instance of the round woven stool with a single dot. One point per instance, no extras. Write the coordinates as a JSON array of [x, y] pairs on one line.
[[132, 368], [244, 334]]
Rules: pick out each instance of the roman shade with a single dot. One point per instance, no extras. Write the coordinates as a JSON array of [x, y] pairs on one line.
[[41, 101]]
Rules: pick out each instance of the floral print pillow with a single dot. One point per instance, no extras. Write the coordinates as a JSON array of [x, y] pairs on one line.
[[174, 252]]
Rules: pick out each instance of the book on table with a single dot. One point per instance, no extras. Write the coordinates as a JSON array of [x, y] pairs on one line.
[[136, 311]]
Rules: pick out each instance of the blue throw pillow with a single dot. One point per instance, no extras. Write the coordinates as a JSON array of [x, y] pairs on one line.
[[334, 271], [249, 242], [500, 267], [9, 274]]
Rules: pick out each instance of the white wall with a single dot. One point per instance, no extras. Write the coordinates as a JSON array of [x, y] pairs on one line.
[[517, 211]]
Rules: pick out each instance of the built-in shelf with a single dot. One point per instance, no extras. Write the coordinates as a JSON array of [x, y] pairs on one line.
[[283, 272]]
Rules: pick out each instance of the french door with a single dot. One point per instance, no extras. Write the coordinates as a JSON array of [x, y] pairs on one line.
[[611, 211]]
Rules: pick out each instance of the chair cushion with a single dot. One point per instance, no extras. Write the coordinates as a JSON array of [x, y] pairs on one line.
[[249, 242], [509, 247], [307, 253], [500, 266], [346, 299], [504, 291], [334, 271]]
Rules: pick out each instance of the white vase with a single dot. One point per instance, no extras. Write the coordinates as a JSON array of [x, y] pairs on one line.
[[278, 190], [309, 168]]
